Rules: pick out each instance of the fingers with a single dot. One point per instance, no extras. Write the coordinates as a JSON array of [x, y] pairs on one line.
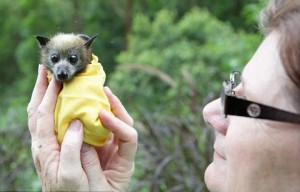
[[92, 168], [117, 108], [45, 114], [36, 98], [77, 157], [46, 142], [121, 126], [70, 148], [128, 137]]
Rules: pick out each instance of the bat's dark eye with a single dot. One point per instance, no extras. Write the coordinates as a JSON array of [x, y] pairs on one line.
[[73, 58], [55, 58]]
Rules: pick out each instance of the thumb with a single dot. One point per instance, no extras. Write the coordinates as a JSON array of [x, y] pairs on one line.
[[92, 168], [71, 145], [70, 173]]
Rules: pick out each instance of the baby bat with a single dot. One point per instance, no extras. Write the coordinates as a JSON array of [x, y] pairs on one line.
[[65, 55]]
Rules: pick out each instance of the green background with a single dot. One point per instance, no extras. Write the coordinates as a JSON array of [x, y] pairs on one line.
[[164, 59]]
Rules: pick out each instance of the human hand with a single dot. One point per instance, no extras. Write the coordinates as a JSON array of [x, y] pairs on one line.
[[74, 166]]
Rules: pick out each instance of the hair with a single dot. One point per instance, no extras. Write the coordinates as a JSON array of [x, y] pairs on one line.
[[283, 16]]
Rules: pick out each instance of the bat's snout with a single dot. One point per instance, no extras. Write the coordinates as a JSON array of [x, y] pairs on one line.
[[62, 76]]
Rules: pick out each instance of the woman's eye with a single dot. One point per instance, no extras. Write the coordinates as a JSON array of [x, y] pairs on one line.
[[73, 58], [55, 58]]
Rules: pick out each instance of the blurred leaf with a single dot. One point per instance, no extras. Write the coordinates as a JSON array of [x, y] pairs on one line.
[[169, 71]]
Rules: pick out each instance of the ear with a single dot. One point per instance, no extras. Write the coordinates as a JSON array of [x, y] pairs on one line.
[[42, 41], [84, 37], [90, 41]]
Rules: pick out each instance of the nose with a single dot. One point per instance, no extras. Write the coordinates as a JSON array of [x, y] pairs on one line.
[[213, 116], [62, 76]]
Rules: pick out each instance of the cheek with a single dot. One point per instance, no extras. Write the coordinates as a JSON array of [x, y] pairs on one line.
[[255, 150], [72, 68], [247, 152], [80, 64], [240, 141]]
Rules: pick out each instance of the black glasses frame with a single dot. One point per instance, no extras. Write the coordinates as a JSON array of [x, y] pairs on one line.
[[233, 105]]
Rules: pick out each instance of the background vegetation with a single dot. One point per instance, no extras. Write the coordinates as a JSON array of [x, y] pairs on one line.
[[164, 59]]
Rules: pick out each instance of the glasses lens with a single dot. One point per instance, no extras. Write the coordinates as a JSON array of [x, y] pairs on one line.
[[224, 93], [228, 86], [235, 79]]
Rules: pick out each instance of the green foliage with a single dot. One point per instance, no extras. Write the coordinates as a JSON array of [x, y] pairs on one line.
[[17, 169], [169, 71], [164, 53], [250, 12]]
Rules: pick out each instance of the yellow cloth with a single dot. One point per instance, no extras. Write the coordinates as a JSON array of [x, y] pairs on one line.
[[82, 98]]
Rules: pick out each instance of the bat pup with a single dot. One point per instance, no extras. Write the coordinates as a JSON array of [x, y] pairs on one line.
[[69, 59], [65, 55]]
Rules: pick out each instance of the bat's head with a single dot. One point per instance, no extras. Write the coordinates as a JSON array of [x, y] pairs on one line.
[[65, 54]]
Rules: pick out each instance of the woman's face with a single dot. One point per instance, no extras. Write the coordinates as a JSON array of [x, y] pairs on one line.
[[254, 154]]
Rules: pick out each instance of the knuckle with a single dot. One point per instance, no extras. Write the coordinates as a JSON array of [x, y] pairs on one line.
[[37, 164], [130, 121], [41, 112], [31, 111], [68, 176], [69, 147], [33, 150], [36, 158], [90, 162], [134, 136]]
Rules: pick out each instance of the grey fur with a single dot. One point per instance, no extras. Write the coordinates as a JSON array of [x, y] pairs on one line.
[[64, 55]]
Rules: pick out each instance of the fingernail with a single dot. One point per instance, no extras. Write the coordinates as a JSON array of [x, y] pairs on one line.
[[85, 147], [107, 89], [41, 68], [75, 125], [104, 112]]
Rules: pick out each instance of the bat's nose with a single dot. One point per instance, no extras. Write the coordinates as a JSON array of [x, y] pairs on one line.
[[62, 76]]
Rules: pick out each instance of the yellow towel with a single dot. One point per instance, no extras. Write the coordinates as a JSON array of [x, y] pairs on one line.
[[82, 98]]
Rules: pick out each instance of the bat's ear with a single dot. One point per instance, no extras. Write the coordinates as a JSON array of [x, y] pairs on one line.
[[84, 37], [90, 41], [42, 41]]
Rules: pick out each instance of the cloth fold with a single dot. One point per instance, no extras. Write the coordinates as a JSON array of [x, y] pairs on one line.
[[82, 98]]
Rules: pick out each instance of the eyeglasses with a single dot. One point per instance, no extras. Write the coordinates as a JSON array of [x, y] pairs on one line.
[[233, 105]]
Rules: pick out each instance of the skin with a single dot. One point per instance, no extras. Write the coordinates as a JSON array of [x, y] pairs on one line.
[[253, 154], [76, 166]]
